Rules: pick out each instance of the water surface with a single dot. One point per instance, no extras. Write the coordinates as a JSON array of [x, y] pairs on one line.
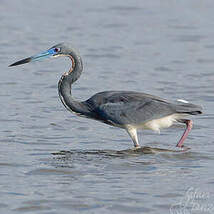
[[54, 162]]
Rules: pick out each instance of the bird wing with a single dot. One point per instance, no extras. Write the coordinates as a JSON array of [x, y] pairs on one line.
[[123, 108]]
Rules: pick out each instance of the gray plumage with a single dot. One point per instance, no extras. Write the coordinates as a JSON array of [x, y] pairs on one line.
[[120, 108], [125, 109]]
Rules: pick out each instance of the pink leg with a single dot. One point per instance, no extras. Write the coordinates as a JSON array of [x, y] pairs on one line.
[[189, 124]]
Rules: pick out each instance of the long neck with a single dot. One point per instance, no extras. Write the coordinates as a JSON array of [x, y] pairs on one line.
[[64, 86]]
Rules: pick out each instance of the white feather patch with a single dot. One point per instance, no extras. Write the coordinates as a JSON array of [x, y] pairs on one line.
[[158, 124], [182, 101]]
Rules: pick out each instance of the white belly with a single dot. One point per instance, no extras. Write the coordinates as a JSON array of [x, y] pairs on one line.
[[161, 123]]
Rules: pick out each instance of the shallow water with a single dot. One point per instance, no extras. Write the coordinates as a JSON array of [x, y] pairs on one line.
[[54, 162]]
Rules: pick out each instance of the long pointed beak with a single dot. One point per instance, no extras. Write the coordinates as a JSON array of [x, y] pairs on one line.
[[42, 55]]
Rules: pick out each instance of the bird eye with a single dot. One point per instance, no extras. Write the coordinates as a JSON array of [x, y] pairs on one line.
[[56, 49]]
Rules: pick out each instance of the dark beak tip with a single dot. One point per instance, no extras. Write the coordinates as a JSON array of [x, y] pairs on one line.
[[23, 61], [11, 65]]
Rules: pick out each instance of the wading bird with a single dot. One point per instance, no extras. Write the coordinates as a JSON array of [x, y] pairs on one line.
[[124, 109]]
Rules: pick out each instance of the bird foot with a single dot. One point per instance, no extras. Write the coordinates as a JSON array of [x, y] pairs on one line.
[[144, 149], [181, 149]]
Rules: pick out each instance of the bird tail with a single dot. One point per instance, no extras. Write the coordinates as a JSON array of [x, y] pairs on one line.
[[188, 108]]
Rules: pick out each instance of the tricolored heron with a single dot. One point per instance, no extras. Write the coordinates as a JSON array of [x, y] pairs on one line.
[[124, 109]]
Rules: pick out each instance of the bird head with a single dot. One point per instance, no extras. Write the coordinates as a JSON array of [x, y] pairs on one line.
[[61, 49]]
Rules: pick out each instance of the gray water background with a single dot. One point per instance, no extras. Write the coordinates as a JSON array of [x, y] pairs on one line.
[[165, 48]]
